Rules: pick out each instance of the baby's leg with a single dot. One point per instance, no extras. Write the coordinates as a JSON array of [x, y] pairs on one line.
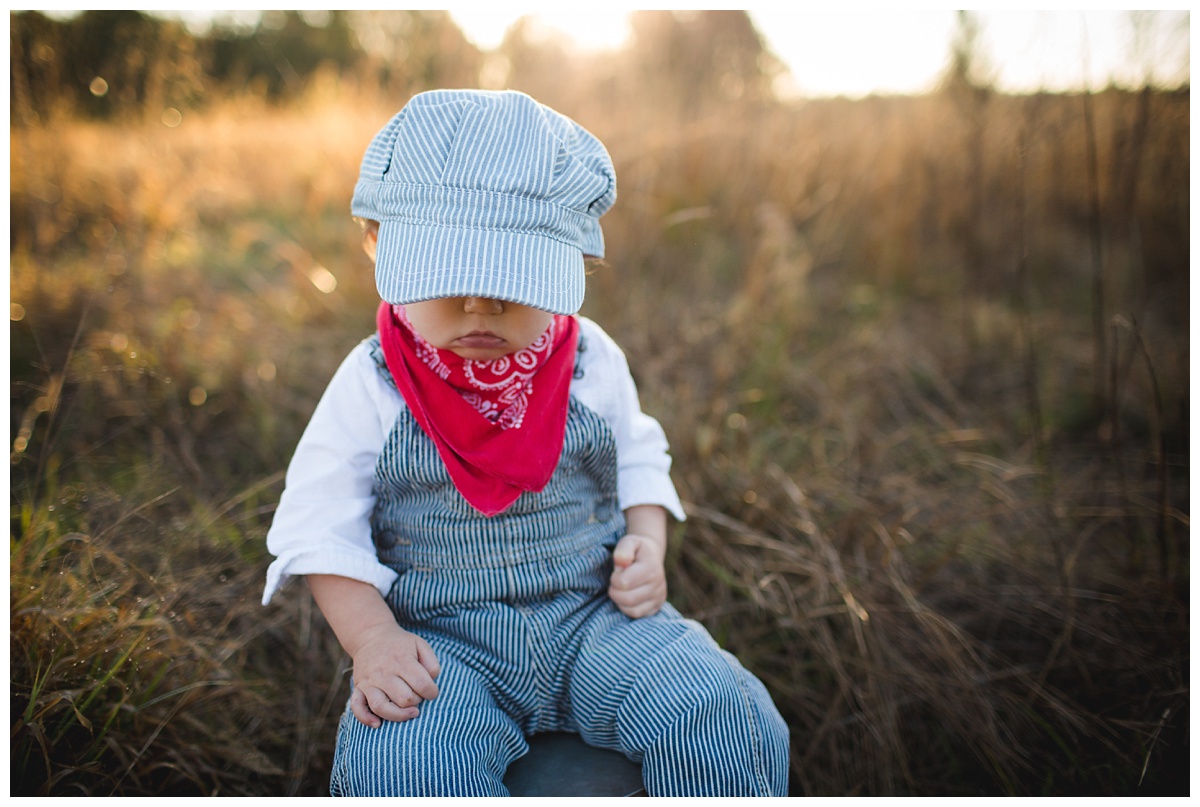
[[660, 690], [460, 745]]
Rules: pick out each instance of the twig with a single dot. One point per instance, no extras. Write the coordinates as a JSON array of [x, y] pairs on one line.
[[1025, 319], [1162, 525], [1153, 739], [1095, 240]]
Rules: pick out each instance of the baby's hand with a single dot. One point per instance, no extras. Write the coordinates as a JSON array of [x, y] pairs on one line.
[[393, 674], [639, 583]]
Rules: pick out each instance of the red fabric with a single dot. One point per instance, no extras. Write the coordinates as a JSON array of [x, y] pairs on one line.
[[498, 425]]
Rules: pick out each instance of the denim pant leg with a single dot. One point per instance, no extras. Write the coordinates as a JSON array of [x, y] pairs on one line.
[[460, 745], [660, 690]]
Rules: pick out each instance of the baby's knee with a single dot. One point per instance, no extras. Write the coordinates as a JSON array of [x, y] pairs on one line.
[[407, 759], [733, 701], [719, 722]]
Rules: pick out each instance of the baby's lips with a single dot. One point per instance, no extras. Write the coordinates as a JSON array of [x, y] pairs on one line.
[[484, 340]]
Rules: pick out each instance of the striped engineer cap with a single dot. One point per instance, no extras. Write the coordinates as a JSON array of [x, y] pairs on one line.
[[485, 194]]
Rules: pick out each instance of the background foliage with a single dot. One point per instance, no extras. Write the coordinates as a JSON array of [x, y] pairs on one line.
[[923, 363]]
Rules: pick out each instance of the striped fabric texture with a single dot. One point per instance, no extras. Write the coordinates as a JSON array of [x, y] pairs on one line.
[[488, 194], [516, 609]]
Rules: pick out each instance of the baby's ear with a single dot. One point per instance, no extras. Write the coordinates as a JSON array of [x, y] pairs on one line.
[[370, 238]]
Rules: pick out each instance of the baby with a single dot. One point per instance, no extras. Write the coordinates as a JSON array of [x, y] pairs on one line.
[[479, 504]]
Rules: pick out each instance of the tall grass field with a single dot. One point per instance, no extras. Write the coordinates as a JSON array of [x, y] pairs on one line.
[[923, 363]]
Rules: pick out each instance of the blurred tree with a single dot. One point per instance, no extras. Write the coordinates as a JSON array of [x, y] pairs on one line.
[[691, 61], [967, 81], [282, 51], [106, 63], [970, 70], [100, 63], [410, 51], [34, 44], [542, 66], [1159, 46]]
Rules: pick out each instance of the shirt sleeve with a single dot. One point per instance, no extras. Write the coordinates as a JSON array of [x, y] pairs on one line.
[[323, 522], [607, 387]]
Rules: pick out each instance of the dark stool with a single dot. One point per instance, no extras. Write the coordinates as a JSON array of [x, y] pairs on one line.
[[561, 764]]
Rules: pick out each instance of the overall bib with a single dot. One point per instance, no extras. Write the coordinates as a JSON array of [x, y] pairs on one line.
[[516, 609]]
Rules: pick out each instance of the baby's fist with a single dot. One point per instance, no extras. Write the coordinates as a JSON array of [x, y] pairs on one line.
[[638, 585]]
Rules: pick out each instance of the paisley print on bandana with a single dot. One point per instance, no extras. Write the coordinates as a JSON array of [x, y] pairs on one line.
[[499, 389]]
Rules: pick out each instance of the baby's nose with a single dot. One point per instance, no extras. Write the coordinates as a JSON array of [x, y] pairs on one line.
[[482, 305]]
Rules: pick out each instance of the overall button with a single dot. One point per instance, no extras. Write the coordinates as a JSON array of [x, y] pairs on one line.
[[389, 539]]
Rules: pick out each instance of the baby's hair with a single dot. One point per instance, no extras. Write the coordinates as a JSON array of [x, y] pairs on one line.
[[592, 265]]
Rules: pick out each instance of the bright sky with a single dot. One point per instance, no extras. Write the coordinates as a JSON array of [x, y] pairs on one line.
[[863, 49], [857, 51]]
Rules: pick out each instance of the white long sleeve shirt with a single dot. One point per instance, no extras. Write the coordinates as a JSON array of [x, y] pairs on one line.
[[323, 523]]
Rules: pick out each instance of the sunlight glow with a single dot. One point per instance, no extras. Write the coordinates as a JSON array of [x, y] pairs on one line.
[[855, 51], [859, 51], [863, 50], [588, 27]]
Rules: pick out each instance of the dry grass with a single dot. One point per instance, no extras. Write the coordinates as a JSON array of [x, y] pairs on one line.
[[948, 589]]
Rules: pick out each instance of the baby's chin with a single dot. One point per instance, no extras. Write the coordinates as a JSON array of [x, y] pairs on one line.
[[482, 352]]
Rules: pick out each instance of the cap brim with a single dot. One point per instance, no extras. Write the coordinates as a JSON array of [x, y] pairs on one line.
[[416, 262]]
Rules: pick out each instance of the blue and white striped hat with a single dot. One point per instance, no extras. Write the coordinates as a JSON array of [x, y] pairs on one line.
[[484, 194]]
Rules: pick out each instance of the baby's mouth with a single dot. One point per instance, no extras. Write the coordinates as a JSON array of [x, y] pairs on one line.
[[480, 339]]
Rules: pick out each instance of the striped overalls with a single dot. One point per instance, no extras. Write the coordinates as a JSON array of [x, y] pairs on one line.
[[516, 609]]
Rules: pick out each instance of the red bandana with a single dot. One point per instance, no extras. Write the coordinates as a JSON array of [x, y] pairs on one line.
[[497, 433]]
